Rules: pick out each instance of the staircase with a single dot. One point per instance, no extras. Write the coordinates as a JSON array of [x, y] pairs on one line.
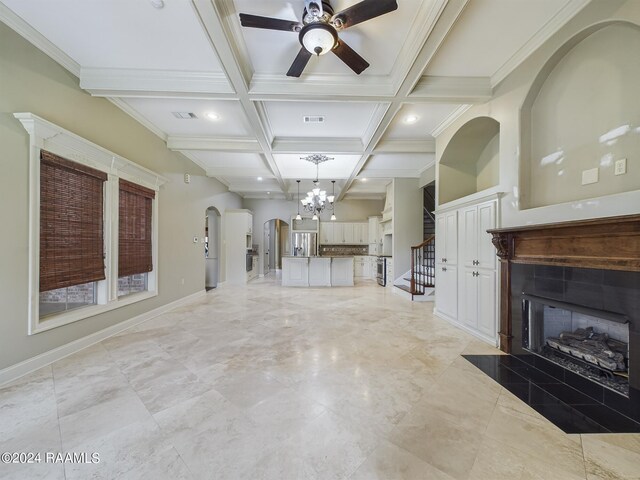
[[418, 284]]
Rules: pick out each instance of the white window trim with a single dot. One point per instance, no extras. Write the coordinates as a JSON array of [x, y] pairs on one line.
[[44, 135]]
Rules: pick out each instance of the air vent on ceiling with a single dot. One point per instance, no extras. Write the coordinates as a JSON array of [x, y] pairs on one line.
[[313, 119], [185, 115]]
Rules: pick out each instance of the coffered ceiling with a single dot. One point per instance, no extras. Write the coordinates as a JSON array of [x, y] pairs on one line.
[[430, 60]]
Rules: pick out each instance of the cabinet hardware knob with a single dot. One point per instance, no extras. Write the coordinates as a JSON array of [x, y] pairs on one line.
[[444, 269]]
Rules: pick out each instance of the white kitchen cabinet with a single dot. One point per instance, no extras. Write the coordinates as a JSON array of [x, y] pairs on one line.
[[348, 236], [326, 233], [338, 234], [360, 233], [362, 266], [342, 272], [374, 230], [238, 241], [249, 224], [390, 277]]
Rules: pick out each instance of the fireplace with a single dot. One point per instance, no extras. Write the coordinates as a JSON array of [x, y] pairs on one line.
[[570, 309]]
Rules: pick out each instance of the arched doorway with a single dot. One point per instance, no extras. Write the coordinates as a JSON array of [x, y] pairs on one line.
[[275, 244], [212, 237]]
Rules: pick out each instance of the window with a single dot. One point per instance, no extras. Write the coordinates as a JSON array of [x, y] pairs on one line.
[[71, 233], [135, 253], [93, 228]]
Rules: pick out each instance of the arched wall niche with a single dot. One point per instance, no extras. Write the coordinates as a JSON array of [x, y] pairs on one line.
[[470, 162], [582, 113]]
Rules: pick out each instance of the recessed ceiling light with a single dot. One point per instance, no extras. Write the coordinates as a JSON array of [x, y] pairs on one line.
[[363, 179], [157, 4], [268, 193], [213, 116], [411, 119], [259, 179]]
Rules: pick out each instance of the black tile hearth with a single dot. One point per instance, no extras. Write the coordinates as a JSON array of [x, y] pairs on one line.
[[564, 406]]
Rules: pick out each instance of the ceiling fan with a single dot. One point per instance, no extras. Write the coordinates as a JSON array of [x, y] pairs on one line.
[[318, 32]]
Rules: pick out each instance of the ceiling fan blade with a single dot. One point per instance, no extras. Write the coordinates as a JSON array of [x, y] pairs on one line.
[[255, 21], [363, 11], [299, 63], [349, 56]]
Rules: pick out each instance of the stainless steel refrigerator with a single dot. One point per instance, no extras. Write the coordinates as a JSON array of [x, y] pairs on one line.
[[304, 244]]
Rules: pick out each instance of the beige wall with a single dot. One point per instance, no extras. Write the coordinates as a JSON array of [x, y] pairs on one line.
[[594, 89], [407, 222], [508, 99], [32, 82]]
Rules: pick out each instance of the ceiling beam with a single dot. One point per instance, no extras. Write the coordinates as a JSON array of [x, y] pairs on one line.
[[215, 28], [448, 17], [239, 145]]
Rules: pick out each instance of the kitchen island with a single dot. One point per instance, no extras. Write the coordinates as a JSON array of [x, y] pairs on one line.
[[317, 271]]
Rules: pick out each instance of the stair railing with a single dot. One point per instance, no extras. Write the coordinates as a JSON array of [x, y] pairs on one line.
[[423, 263]]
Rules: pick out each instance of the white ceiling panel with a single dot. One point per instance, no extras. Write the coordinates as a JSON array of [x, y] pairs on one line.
[[378, 41], [231, 122], [417, 121], [397, 165], [291, 166], [365, 185], [246, 165], [342, 119], [489, 33], [250, 184], [122, 34]]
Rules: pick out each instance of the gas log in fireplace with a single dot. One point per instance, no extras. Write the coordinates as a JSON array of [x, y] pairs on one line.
[[570, 304]]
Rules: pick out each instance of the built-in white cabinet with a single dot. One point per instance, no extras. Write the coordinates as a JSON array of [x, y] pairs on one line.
[[238, 242], [342, 272], [343, 233], [375, 235], [390, 277], [466, 268]]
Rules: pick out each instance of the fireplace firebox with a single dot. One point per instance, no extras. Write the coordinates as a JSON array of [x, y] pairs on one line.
[[589, 342]]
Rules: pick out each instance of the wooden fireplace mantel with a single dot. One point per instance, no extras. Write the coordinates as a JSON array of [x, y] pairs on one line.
[[611, 243]]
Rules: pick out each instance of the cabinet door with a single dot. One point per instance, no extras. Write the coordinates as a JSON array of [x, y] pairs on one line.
[[468, 299], [486, 221], [451, 238], [358, 265], [447, 291], [468, 235], [348, 234], [362, 237], [441, 237], [487, 310], [326, 233], [338, 234], [366, 268], [373, 230], [249, 223]]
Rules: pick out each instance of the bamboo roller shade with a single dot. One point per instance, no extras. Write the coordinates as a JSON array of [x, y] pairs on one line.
[[135, 250], [71, 223]]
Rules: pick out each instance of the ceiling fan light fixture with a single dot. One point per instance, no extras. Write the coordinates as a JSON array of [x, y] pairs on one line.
[[318, 38]]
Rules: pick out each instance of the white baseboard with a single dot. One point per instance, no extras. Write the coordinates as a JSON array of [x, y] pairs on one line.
[[491, 341], [18, 370]]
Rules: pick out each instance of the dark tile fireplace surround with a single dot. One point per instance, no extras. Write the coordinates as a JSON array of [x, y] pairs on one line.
[[559, 278]]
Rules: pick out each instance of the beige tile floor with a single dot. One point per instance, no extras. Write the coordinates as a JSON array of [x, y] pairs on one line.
[[266, 382]]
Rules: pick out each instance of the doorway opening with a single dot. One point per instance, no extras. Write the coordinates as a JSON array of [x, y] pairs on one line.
[[275, 244], [212, 240]]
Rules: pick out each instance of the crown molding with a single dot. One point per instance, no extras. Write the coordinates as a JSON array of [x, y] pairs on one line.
[[414, 145], [447, 122], [240, 145], [21, 27], [326, 145], [538, 39], [453, 89], [97, 81]]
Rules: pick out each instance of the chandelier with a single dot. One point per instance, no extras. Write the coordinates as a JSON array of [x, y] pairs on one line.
[[317, 201]]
